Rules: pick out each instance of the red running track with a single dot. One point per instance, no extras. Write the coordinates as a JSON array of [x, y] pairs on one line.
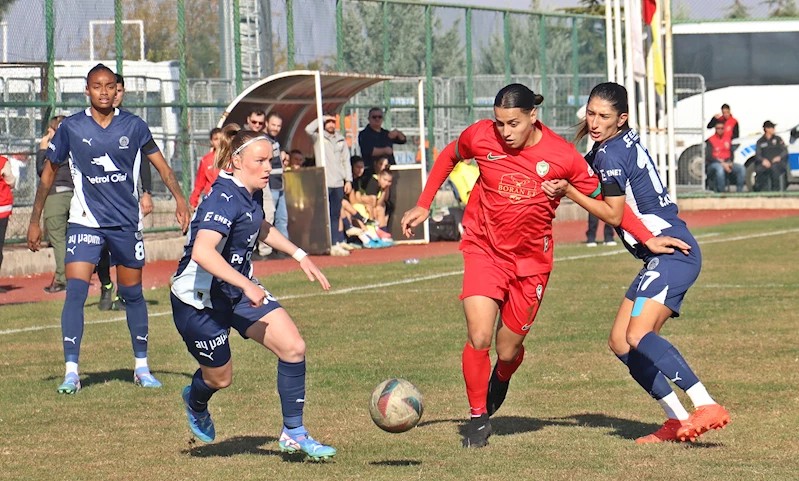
[[22, 289]]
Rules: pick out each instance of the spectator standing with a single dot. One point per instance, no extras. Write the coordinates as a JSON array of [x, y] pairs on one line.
[[256, 121], [207, 171], [719, 163], [56, 209], [730, 123], [7, 182], [771, 155], [338, 172], [274, 124], [375, 141]]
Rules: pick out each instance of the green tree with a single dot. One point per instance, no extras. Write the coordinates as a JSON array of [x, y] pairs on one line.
[[782, 8], [587, 7], [5, 5], [161, 35], [362, 41], [738, 10]]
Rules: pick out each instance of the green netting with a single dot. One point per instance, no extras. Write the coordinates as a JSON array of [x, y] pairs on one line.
[[181, 89]]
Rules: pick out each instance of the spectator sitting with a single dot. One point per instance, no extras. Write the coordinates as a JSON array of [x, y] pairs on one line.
[[719, 163], [358, 169], [771, 156], [206, 172], [296, 160], [729, 122], [375, 201]]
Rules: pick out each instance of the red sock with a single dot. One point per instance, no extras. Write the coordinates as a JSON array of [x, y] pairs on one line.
[[476, 370], [506, 369]]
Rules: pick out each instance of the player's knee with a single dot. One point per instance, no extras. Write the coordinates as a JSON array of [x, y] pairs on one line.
[[634, 336], [618, 346], [77, 291], [220, 382], [131, 294], [294, 351], [481, 340], [508, 353]]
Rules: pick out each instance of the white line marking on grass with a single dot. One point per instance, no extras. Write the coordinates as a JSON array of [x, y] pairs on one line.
[[403, 281]]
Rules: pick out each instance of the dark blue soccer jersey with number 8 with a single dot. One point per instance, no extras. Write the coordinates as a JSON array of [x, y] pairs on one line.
[[105, 165]]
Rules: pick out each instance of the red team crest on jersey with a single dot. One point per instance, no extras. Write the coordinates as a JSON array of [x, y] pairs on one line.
[[517, 187]]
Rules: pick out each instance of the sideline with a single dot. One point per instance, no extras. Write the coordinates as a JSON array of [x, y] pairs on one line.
[[408, 281]]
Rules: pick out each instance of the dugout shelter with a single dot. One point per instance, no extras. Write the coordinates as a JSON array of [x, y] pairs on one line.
[[300, 96]]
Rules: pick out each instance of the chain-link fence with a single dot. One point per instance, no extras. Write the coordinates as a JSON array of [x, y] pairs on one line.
[[184, 61]]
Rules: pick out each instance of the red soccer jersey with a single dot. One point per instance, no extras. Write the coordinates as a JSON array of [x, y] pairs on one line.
[[508, 215]]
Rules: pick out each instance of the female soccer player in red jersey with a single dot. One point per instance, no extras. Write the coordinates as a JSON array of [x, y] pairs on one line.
[[507, 240], [656, 294]]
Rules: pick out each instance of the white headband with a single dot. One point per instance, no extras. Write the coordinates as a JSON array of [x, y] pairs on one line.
[[245, 144]]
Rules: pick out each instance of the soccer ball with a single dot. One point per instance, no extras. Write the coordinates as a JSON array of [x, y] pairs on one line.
[[396, 405]]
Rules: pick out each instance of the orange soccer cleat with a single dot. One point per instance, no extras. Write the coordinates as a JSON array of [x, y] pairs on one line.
[[705, 418], [667, 433]]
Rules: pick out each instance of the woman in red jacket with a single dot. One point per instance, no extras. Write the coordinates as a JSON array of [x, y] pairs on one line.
[[207, 172], [7, 182]]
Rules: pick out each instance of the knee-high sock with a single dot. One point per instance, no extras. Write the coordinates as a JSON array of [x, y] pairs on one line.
[[667, 359], [506, 369], [200, 392], [72, 318], [641, 369], [136, 312], [291, 387], [476, 370], [648, 376]]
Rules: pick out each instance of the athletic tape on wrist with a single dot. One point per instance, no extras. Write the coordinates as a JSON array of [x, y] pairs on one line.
[[299, 255]]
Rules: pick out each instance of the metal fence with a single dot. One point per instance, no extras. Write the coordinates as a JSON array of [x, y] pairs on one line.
[[185, 61]]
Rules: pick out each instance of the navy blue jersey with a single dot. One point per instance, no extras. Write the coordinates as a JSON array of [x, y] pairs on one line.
[[625, 168], [105, 164], [230, 210]]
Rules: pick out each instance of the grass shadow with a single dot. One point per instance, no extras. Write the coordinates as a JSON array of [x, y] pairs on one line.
[[396, 462], [122, 375], [240, 445], [94, 302], [619, 427]]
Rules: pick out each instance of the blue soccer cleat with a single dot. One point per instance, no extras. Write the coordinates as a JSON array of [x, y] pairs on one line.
[[303, 442], [143, 378], [200, 423], [71, 384], [374, 244]]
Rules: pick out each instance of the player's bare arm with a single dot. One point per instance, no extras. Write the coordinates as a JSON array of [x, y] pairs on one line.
[[274, 239], [46, 181], [168, 176], [611, 210]]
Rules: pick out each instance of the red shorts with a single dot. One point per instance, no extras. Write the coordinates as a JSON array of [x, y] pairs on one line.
[[519, 297]]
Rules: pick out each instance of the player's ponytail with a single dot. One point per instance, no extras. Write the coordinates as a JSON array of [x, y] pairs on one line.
[[612, 93], [231, 139]]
